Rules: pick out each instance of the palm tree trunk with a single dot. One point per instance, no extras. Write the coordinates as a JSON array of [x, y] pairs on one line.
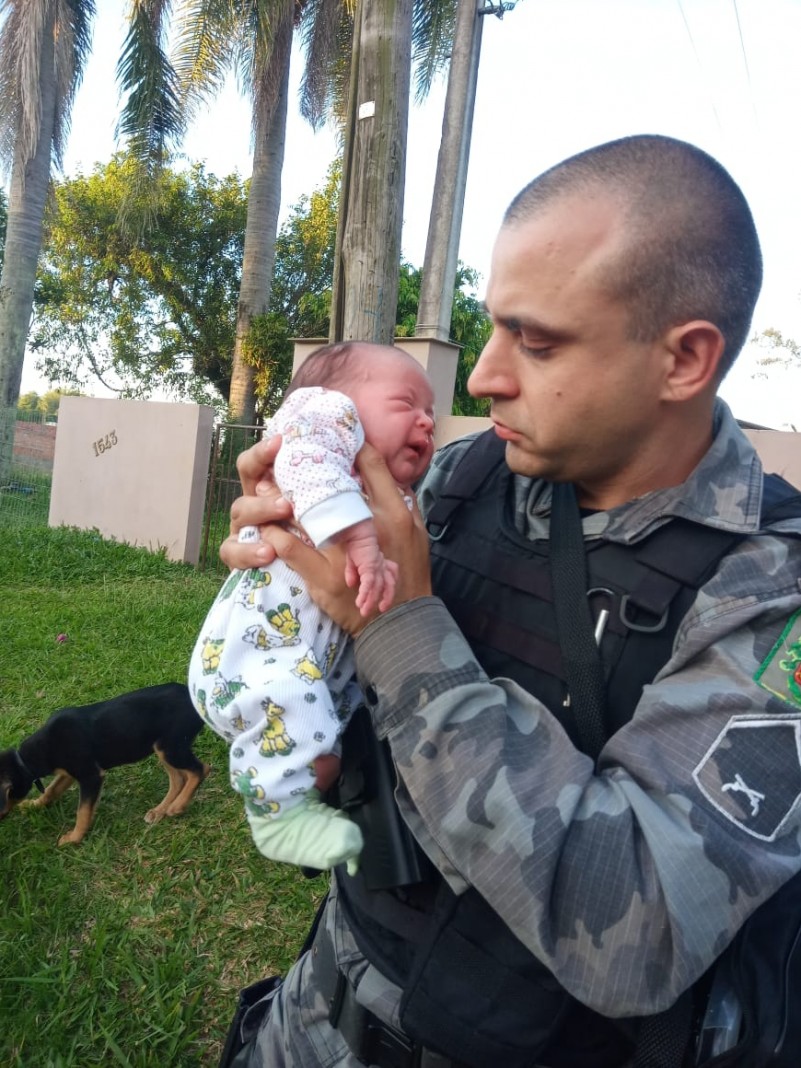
[[445, 224], [26, 203], [371, 231], [264, 204]]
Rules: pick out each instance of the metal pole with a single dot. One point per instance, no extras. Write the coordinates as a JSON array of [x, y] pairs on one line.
[[445, 223]]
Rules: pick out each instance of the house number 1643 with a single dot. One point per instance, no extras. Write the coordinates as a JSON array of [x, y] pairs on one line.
[[104, 444]]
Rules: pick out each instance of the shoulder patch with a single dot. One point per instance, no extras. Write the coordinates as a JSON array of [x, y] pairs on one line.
[[780, 671], [751, 773]]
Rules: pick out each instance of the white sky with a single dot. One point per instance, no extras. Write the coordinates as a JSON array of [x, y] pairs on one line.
[[557, 76]]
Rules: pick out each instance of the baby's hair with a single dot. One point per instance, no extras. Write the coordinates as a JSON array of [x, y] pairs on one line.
[[331, 366]]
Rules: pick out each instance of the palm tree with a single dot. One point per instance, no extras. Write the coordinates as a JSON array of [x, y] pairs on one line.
[[43, 49], [44, 46], [255, 38], [445, 223]]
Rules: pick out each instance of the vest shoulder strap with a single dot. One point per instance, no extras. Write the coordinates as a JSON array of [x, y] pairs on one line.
[[481, 457], [681, 553]]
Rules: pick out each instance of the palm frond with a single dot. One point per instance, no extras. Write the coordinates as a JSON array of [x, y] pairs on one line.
[[207, 36], [32, 32], [152, 119], [326, 31], [433, 23], [21, 39], [73, 44]]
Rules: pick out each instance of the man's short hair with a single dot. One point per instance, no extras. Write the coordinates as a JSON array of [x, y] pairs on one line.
[[691, 249]]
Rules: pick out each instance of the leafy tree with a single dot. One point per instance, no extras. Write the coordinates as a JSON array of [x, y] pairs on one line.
[[300, 304], [777, 349], [470, 328], [160, 311], [46, 405], [44, 46], [155, 311], [301, 301]]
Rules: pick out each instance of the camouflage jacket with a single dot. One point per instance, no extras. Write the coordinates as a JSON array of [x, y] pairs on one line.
[[627, 881]]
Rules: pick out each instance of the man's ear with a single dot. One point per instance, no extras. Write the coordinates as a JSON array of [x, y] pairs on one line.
[[695, 350]]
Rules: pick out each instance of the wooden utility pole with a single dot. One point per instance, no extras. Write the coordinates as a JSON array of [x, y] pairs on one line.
[[367, 260]]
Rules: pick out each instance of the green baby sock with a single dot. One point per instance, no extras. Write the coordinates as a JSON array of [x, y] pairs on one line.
[[310, 834]]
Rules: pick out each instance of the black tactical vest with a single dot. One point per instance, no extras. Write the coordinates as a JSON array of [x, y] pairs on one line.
[[471, 989]]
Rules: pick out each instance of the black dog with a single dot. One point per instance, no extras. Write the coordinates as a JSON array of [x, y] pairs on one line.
[[80, 744]]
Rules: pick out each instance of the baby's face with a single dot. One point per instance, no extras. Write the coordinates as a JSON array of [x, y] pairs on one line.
[[396, 407]]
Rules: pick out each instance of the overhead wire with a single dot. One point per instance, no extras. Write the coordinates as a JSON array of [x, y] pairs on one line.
[[698, 61], [745, 62]]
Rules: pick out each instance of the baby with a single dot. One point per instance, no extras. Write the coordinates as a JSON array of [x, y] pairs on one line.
[[270, 672]]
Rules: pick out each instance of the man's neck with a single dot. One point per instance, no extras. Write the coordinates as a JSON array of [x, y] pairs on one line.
[[668, 461]]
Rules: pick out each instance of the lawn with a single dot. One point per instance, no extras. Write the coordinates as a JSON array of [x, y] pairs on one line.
[[130, 948]]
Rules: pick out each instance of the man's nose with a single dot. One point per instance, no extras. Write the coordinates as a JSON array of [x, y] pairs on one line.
[[490, 376]]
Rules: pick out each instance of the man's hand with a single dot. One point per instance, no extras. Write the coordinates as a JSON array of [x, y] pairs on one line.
[[261, 504], [401, 534]]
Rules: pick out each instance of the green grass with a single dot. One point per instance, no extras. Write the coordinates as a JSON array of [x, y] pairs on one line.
[[129, 949], [24, 496]]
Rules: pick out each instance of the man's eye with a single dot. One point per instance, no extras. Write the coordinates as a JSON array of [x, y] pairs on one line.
[[535, 350]]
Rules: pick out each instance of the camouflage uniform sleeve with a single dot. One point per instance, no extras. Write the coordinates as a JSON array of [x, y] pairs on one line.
[[626, 881]]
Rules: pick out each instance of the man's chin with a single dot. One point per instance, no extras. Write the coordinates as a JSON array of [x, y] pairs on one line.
[[525, 463]]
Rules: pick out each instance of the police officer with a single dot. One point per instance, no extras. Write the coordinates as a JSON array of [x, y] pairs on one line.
[[566, 897]]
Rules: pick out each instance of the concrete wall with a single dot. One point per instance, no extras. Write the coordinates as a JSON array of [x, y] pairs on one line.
[[134, 470], [779, 451], [35, 444], [137, 470]]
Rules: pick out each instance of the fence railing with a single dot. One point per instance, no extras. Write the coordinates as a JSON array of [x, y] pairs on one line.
[[222, 488], [27, 448]]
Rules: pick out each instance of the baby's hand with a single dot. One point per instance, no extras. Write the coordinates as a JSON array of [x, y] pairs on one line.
[[366, 566]]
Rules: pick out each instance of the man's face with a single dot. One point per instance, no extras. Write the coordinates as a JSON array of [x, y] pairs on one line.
[[396, 407], [574, 398]]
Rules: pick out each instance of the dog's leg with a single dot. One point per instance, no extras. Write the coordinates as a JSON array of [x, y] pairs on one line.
[[193, 779], [183, 783], [173, 791], [61, 782], [90, 793]]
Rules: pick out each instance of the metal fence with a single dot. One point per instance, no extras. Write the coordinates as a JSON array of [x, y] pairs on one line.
[[223, 486], [27, 448]]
